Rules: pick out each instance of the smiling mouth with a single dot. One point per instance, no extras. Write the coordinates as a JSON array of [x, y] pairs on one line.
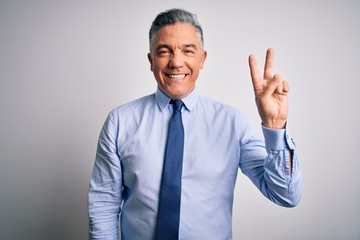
[[176, 76]]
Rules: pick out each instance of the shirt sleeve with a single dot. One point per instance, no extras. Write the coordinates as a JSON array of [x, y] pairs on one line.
[[105, 195], [268, 165]]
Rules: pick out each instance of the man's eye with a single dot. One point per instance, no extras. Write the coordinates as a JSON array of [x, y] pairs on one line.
[[189, 52], [163, 53]]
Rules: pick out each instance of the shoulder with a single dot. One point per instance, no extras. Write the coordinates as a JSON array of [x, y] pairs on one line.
[[135, 106], [217, 107], [130, 111]]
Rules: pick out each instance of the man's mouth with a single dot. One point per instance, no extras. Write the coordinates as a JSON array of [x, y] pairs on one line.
[[176, 76]]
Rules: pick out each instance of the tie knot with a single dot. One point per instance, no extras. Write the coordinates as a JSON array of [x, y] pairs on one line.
[[177, 104]]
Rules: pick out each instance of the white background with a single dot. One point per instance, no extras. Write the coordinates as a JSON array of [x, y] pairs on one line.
[[65, 64]]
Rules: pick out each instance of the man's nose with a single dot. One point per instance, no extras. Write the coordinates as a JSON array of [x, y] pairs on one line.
[[176, 60]]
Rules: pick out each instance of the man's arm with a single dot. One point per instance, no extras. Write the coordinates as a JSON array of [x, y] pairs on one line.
[[105, 191], [268, 165], [270, 95], [276, 180]]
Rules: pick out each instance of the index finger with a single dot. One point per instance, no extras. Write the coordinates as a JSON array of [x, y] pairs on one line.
[[269, 64], [254, 71]]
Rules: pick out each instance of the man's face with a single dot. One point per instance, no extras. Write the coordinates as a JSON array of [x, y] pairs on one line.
[[176, 59]]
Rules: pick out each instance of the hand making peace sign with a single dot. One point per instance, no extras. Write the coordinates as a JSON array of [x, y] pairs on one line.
[[270, 93]]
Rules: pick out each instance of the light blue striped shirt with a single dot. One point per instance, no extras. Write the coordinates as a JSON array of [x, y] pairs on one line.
[[218, 140]]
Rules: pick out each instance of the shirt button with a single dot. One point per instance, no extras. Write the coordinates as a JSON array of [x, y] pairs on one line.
[[289, 142]]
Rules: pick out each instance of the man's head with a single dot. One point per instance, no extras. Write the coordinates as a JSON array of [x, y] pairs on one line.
[[172, 16], [176, 52]]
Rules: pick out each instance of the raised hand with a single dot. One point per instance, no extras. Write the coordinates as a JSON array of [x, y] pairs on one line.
[[270, 93]]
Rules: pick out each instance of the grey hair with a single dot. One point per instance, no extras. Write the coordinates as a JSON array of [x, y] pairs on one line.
[[173, 16]]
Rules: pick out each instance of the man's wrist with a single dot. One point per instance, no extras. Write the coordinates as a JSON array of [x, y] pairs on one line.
[[276, 125]]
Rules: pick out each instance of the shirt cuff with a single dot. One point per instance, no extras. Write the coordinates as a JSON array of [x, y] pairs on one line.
[[278, 139]]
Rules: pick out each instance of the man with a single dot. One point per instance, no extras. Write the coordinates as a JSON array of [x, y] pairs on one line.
[[217, 140]]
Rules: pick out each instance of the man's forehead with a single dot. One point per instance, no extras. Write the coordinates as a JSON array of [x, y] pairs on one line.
[[177, 29]]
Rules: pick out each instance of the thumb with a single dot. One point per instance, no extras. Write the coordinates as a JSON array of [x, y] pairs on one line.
[[273, 84]]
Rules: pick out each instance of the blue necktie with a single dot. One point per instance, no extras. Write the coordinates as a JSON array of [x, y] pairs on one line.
[[170, 193]]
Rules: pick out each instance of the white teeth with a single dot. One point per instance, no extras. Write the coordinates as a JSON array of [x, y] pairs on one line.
[[180, 76]]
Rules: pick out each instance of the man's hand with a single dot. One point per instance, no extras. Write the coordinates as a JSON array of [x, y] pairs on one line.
[[270, 93]]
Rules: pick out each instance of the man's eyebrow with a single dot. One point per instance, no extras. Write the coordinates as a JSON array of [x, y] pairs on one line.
[[190, 45]]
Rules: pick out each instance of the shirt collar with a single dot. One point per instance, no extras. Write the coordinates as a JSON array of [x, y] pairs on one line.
[[163, 100]]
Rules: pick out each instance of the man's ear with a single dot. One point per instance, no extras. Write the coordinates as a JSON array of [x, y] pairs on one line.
[[203, 58], [150, 60]]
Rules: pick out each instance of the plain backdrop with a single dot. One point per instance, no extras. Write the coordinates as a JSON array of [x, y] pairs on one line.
[[65, 64]]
